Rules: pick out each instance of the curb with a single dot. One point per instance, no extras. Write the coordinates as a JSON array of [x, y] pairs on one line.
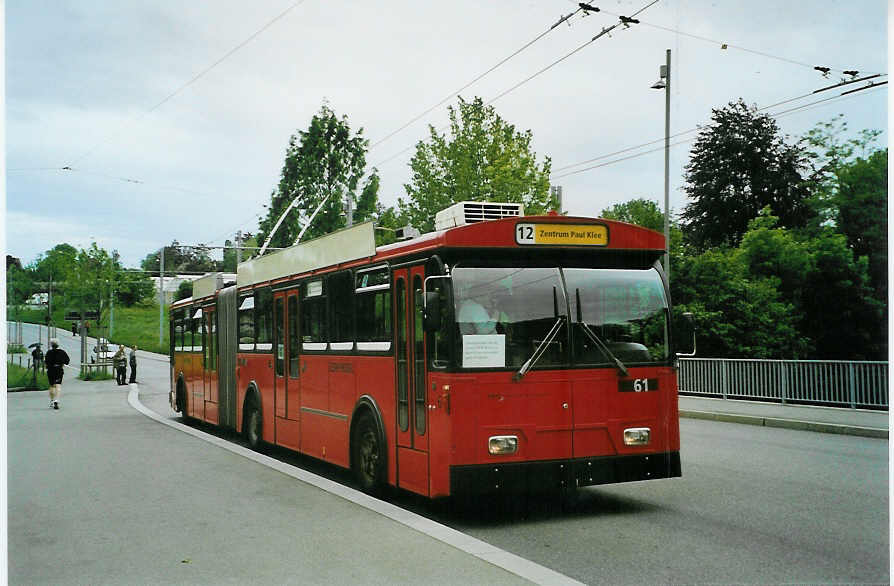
[[835, 428]]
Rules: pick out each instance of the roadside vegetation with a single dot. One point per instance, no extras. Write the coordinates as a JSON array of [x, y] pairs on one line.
[[779, 252], [19, 376]]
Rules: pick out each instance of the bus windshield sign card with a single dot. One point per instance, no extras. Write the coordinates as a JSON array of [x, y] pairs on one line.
[[562, 234]]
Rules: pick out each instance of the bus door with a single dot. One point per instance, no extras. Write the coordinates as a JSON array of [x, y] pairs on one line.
[[412, 411], [209, 359], [197, 369], [286, 382]]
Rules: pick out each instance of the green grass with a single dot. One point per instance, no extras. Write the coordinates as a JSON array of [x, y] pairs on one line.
[[16, 349], [133, 325], [93, 374], [19, 376]]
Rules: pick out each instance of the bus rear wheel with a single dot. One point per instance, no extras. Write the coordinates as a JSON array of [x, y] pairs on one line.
[[367, 455], [253, 425]]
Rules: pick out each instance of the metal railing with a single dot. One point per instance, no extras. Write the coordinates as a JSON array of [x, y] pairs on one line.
[[837, 383]]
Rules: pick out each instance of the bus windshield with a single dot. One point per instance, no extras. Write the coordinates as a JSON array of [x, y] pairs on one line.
[[506, 315]]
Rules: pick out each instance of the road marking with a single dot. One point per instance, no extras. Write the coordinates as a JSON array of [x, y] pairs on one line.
[[503, 559]]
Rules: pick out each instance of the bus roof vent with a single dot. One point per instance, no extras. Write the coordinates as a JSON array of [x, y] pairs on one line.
[[470, 212]]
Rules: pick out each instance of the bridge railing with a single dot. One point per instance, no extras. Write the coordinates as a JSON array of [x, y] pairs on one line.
[[838, 383]]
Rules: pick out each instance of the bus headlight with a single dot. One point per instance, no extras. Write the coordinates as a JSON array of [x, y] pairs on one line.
[[637, 436], [502, 444]]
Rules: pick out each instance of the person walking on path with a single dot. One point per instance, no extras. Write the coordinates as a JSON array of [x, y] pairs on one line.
[[37, 357], [119, 361], [55, 359], [133, 363]]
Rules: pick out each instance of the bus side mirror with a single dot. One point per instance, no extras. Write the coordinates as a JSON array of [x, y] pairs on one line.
[[431, 311], [690, 325]]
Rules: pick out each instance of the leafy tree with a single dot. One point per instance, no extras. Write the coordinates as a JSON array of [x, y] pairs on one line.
[[19, 285], [326, 162], [249, 241], [840, 314], [484, 158], [178, 258], [862, 202], [131, 287], [737, 315], [642, 212], [739, 165], [828, 152], [92, 279], [184, 290]]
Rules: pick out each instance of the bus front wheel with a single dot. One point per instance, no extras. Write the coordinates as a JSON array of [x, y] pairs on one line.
[[367, 455], [253, 423]]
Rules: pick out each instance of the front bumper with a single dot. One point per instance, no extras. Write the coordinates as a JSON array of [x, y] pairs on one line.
[[527, 477]]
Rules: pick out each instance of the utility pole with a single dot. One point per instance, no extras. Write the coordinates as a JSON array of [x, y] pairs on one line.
[[111, 311], [161, 296], [238, 247], [664, 83]]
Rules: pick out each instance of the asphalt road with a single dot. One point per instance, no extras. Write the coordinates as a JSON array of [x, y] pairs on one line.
[[755, 505]]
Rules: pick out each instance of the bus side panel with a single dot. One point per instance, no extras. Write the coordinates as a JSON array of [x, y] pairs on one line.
[[375, 378], [194, 385], [441, 438], [257, 368], [314, 404], [342, 397]]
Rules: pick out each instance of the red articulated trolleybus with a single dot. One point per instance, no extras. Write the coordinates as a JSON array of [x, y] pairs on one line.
[[499, 353]]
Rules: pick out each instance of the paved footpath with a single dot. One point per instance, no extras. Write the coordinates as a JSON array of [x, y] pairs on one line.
[[861, 422], [100, 492]]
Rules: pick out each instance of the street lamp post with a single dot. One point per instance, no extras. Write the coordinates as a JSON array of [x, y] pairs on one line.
[[664, 82]]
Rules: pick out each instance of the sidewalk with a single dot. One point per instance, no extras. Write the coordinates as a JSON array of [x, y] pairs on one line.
[[859, 422]]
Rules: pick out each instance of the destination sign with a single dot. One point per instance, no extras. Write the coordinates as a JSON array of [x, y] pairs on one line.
[[562, 234]]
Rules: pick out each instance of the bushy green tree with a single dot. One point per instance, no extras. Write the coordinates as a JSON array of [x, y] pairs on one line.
[[184, 290], [736, 315], [862, 201], [132, 287], [326, 162], [739, 165], [181, 258], [483, 158]]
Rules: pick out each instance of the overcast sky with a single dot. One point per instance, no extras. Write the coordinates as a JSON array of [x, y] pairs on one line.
[[87, 82]]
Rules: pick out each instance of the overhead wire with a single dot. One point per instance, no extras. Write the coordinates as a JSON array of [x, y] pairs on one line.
[[194, 79], [726, 45], [629, 20], [478, 78], [794, 110]]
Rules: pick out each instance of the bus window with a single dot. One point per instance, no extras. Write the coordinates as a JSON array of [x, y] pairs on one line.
[[437, 343], [341, 298], [280, 354], [177, 340], [418, 357], [294, 344], [624, 309], [313, 316], [264, 319], [512, 311], [403, 417], [247, 323], [372, 298], [198, 332]]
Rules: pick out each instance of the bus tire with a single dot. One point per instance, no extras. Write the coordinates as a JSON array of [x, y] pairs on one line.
[[367, 455], [253, 425]]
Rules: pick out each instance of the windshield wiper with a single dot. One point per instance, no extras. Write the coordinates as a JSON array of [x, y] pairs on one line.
[[541, 349], [544, 343], [596, 339]]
